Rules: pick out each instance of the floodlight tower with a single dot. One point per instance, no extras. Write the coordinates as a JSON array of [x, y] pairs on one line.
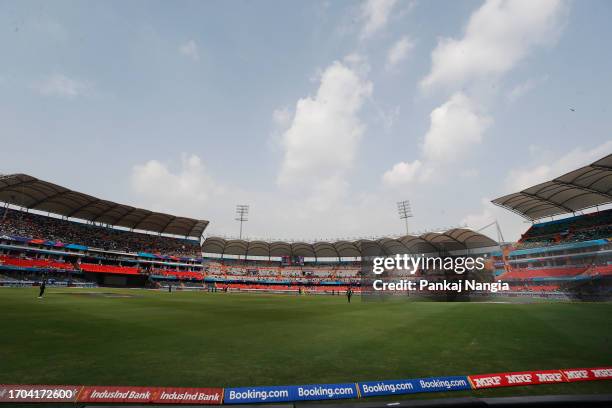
[[405, 211], [242, 212]]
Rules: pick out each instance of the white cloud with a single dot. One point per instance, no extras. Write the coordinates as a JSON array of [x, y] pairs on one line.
[[402, 173], [322, 140], [375, 14], [188, 189], [61, 86], [185, 190], [399, 51], [455, 128], [554, 166], [190, 49], [498, 35]]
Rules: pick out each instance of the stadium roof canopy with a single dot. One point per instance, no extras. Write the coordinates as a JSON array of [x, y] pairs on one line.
[[451, 240], [31, 193], [585, 187]]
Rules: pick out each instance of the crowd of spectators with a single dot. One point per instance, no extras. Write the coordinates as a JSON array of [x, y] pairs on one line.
[[311, 274], [575, 229], [35, 226]]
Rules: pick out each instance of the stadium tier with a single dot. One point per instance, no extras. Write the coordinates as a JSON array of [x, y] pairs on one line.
[[55, 232], [578, 270], [34, 247], [108, 244], [574, 229], [551, 257], [570, 255]]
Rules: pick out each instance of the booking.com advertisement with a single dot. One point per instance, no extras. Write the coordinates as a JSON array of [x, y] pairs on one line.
[[355, 203]]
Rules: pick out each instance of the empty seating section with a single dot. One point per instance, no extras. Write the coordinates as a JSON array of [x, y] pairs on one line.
[[178, 274], [35, 263], [123, 270]]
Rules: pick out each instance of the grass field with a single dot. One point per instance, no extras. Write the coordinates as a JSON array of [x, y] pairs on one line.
[[137, 337]]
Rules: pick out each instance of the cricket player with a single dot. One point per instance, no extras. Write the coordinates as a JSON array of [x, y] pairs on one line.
[[43, 285]]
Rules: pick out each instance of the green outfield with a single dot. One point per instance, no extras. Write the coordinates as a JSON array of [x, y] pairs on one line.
[[138, 337]]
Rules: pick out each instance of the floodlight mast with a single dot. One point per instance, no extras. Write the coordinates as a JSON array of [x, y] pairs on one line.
[[405, 211], [242, 212]]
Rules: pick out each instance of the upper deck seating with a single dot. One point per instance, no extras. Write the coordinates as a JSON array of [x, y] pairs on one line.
[[42, 228]]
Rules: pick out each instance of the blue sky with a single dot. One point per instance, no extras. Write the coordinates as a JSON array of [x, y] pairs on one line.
[[320, 115]]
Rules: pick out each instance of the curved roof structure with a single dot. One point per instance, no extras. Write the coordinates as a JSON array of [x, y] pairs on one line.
[[585, 187], [451, 240], [29, 192]]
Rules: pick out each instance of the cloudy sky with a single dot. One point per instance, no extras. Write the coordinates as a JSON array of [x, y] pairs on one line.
[[321, 115]]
